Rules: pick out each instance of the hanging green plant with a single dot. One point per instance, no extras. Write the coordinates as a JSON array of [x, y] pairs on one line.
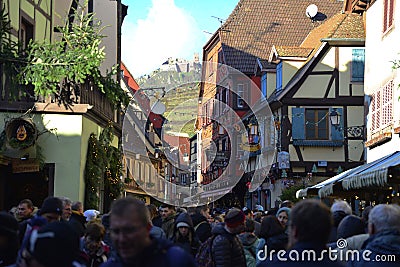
[[60, 68]]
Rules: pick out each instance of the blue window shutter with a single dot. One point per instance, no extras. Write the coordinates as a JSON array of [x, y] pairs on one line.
[[279, 76], [298, 124], [357, 68], [337, 131], [264, 84]]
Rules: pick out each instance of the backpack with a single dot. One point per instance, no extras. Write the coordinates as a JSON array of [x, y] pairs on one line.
[[204, 256]]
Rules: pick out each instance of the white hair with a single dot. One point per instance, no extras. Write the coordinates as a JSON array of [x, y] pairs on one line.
[[385, 217], [341, 205]]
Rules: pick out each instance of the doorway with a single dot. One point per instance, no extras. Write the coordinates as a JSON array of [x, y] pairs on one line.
[[35, 186]]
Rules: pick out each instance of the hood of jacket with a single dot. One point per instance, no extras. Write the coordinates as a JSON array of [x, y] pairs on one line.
[[386, 242], [185, 218], [247, 239]]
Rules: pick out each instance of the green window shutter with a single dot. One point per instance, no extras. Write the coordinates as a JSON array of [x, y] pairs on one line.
[[337, 131], [298, 124]]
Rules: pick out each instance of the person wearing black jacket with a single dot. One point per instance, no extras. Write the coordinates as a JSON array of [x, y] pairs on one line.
[[201, 225], [77, 220], [227, 250]]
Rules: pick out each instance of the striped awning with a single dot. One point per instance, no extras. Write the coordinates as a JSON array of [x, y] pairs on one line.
[[371, 174]]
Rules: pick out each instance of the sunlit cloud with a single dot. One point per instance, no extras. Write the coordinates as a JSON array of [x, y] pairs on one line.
[[167, 31]]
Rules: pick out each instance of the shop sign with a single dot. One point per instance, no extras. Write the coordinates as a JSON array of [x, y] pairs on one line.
[[28, 165]]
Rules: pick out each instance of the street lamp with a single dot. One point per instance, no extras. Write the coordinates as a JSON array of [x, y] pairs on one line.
[[334, 117]]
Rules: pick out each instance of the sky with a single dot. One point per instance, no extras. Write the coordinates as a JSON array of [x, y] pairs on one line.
[[155, 30]]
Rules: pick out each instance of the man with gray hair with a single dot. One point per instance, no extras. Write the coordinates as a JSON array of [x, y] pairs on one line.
[[67, 211], [339, 210], [383, 246]]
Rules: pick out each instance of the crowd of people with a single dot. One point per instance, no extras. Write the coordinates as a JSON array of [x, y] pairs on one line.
[[61, 233]]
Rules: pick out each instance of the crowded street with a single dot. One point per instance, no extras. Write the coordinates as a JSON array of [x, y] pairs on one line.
[[213, 133]]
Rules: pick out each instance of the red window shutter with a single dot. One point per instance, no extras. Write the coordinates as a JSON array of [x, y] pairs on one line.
[[390, 15], [387, 104], [385, 15], [378, 110], [373, 113]]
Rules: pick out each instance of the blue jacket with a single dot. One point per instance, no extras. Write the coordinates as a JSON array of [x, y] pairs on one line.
[[161, 253], [384, 243]]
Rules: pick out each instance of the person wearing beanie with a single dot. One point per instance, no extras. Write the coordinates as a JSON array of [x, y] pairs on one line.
[[54, 244], [227, 250], [50, 211], [184, 235], [91, 214], [283, 216], [350, 225], [310, 223], [8, 239]]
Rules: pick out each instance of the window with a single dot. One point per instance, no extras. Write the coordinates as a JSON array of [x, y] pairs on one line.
[[317, 124], [210, 67], [388, 9], [224, 144], [26, 33], [183, 178], [357, 65], [242, 95], [311, 127], [279, 76], [382, 107]]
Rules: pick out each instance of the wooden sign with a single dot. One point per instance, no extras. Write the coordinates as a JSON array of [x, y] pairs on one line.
[[28, 165]]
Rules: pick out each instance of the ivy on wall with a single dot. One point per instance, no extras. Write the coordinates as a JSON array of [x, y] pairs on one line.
[[103, 169]]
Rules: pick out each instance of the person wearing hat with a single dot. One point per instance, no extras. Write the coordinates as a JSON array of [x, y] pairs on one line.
[[50, 211], [283, 217], [8, 239], [184, 235], [227, 250], [55, 244]]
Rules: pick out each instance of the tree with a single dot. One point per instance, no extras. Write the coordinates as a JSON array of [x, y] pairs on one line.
[[59, 68]]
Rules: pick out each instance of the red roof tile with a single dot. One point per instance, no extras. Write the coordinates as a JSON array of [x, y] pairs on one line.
[[255, 25]]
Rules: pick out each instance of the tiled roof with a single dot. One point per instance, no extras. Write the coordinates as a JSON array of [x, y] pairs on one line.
[[264, 64], [340, 26], [255, 25], [292, 51]]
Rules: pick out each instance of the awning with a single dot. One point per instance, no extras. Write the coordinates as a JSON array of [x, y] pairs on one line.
[[373, 173], [325, 187]]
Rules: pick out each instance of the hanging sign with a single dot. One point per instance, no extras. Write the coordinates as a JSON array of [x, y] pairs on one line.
[[28, 165], [20, 133]]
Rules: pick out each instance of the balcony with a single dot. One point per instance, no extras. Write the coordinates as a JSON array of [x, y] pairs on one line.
[[86, 99]]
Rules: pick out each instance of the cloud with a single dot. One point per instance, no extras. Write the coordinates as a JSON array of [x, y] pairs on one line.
[[167, 31]]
